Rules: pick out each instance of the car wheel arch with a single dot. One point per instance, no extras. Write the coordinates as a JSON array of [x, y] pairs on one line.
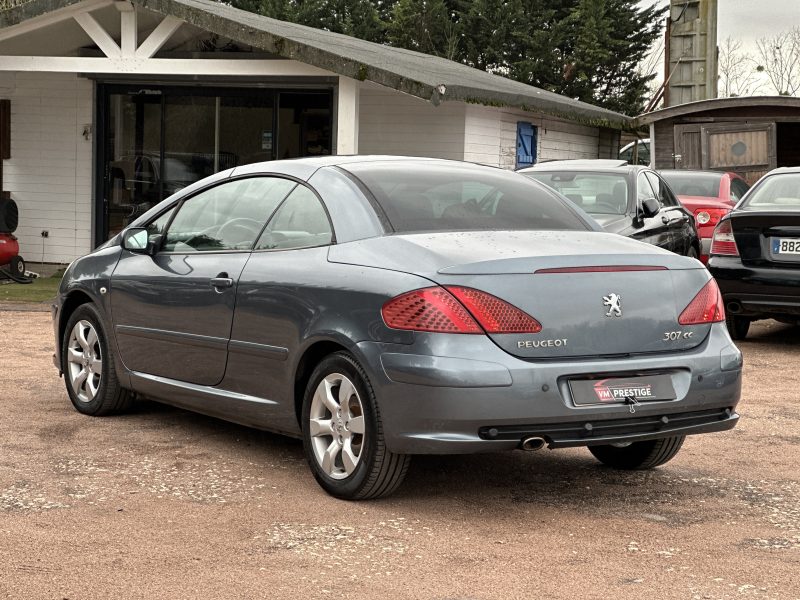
[[311, 356], [74, 299]]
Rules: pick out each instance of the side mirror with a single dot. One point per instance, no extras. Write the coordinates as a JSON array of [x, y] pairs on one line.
[[137, 240], [650, 207]]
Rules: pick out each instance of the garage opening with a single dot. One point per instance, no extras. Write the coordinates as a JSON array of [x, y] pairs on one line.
[[157, 140]]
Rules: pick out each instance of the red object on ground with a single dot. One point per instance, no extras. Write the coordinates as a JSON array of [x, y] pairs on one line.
[[9, 248]]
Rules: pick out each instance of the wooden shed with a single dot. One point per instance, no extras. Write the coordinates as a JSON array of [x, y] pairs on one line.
[[747, 135]]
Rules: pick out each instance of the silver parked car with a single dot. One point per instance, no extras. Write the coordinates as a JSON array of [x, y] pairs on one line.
[[380, 307]]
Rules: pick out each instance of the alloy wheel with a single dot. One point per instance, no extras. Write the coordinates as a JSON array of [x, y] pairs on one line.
[[84, 361], [336, 425]]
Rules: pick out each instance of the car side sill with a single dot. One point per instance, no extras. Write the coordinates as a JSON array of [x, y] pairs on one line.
[[145, 383]]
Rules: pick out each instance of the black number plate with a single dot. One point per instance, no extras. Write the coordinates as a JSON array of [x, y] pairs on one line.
[[615, 390]]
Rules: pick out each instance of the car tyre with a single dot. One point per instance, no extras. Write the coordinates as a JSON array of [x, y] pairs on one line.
[[343, 434], [639, 455], [737, 326], [89, 371], [17, 266]]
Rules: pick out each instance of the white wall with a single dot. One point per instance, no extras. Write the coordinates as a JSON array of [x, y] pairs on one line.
[[491, 136], [49, 173], [391, 122]]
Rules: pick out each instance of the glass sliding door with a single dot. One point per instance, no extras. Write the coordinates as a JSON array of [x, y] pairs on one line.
[[157, 141], [305, 124], [133, 146], [190, 124], [246, 129]]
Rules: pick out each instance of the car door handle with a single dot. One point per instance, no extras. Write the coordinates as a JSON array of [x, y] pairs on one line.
[[221, 282], [666, 221]]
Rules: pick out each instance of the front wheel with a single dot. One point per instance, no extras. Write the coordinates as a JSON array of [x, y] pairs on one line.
[[89, 372], [343, 435], [639, 455]]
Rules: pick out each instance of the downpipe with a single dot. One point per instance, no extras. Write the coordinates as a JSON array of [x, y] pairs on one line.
[[532, 444]]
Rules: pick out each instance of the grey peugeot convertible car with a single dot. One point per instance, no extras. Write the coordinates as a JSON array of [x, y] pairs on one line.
[[381, 307]]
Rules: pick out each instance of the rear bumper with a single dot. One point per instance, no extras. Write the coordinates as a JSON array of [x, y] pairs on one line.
[[486, 400], [756, 291], [633, 429]]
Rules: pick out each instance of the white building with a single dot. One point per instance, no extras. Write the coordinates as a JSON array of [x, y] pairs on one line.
[[116, 104]]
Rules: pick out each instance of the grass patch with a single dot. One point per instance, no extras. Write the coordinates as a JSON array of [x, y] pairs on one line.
[[41, 290]]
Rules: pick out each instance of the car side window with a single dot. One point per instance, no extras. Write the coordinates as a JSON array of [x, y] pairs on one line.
[[738, 189], [643, 188], [157, 226], [666, 195], [300, 222], [661, 189], [229, 216]]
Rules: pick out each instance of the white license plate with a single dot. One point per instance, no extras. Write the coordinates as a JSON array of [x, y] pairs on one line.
[[786, 245]]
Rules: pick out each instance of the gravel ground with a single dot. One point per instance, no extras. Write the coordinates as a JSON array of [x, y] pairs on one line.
[[163, 503]]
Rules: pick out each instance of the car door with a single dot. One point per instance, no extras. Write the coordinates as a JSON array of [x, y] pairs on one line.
[[682, 232], [652, 230], [173, 311], [278, 298]]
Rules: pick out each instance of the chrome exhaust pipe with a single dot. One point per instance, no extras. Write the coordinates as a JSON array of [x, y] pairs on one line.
[[532, 444]]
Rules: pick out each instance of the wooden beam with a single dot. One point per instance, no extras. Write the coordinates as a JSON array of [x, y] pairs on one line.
[[162, 66], [128, 32], [158, 37], [51, 18], [99, 35]]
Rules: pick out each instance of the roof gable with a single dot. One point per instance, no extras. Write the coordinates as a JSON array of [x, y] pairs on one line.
[[428, 77]]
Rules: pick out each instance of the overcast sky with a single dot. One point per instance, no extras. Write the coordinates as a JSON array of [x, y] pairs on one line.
[[744, 20], [749, 20]]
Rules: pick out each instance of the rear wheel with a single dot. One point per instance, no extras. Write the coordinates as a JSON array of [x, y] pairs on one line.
[[343, 435], [639, 455], [89, 372], [737, 326]]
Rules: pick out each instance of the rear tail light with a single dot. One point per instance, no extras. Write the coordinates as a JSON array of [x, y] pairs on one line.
[[495, 315], [430, 309], [706, 307], [723, 243], [708, 217], [456, 310]]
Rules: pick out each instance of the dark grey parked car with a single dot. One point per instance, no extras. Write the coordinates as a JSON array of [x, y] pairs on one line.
[[381, 307], [630, 200]]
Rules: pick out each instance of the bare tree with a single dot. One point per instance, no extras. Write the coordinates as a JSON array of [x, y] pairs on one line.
[[779, 60], [738, 71]]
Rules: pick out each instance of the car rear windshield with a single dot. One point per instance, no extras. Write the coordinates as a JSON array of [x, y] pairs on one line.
[[776, 192], [705, 185], [596, 193], [444, 197]]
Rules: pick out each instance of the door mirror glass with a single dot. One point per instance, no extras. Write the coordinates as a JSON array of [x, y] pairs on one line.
[[136, 239], [650, 207]]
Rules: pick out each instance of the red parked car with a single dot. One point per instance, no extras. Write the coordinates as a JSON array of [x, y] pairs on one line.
[[709, 195]]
